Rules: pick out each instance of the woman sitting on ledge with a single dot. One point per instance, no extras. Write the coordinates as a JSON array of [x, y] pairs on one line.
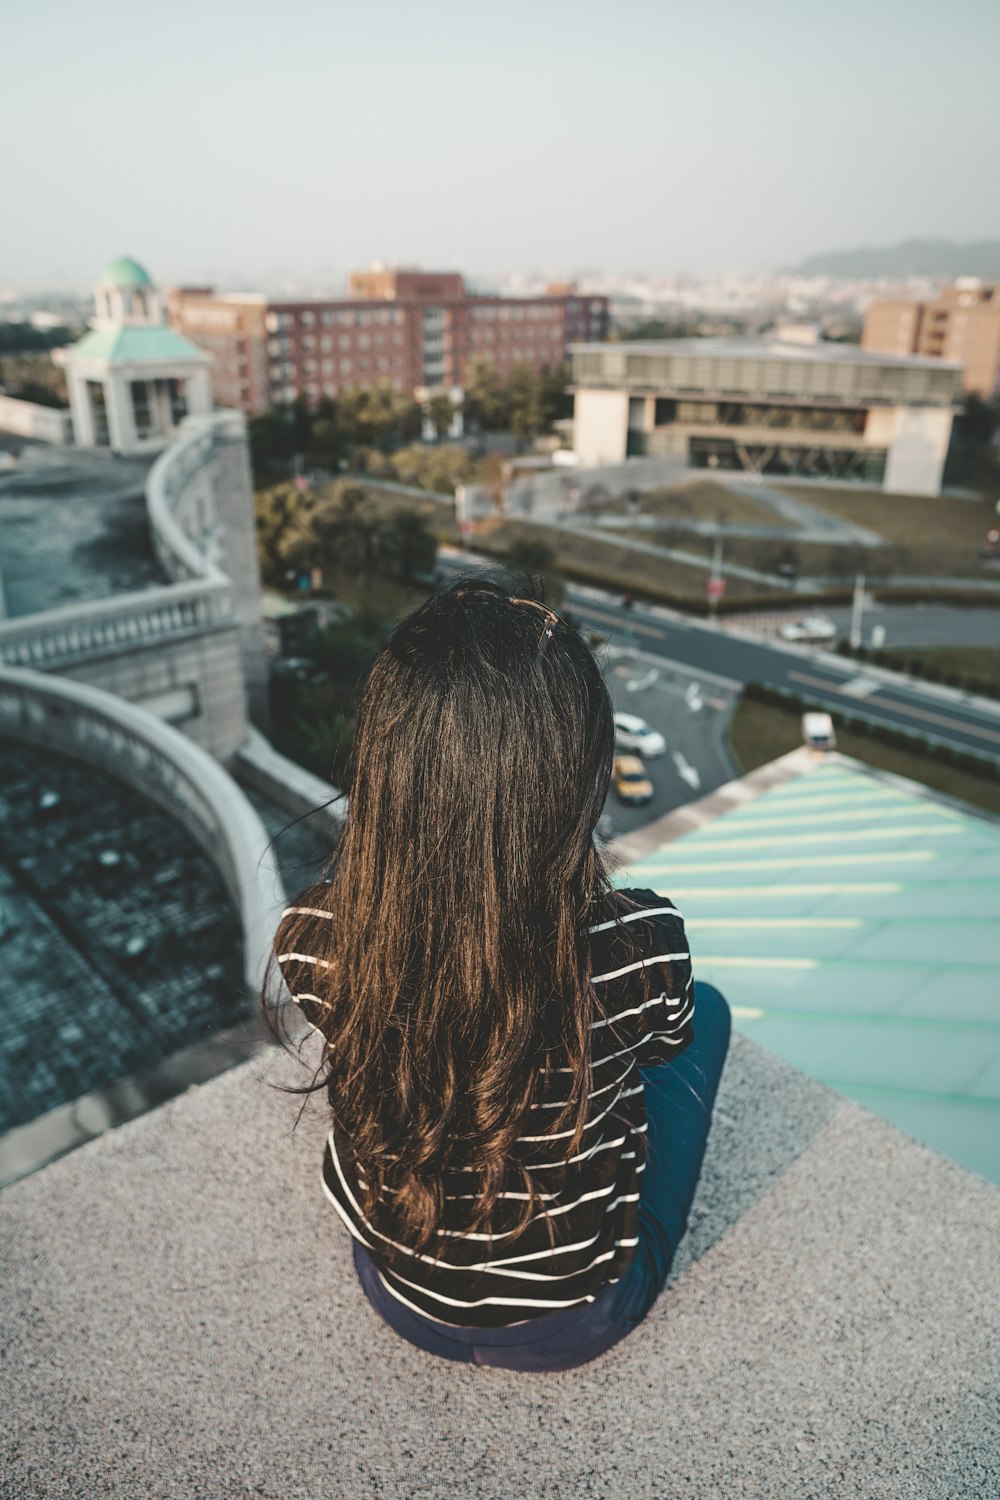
[[520, 1068]]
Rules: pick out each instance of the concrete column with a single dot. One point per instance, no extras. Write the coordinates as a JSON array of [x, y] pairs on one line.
[[121, 423], [199, 394], [84, 435], [163, 422]]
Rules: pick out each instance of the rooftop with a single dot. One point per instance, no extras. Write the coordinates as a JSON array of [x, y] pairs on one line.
[[182, 1316], [136, 342], [182, 1319], [851, 918], [73, 526], [93, 984], [126, 272], [822, 352]]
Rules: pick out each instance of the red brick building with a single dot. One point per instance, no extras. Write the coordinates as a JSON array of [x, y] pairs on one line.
[[415, 329]]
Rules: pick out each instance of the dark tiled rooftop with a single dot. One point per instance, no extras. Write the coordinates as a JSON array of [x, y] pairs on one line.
[[119, 943]]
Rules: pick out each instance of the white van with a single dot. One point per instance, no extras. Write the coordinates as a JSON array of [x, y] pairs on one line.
[[817, 731]]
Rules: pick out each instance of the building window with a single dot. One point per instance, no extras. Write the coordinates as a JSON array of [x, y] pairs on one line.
[[307, 319]]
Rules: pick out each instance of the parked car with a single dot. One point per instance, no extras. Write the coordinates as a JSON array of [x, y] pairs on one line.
[[631, 781], [633, 733], [817, 731], [812, 628]]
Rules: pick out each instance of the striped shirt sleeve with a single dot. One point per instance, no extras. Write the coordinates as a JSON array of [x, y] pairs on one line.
[[645, 982]]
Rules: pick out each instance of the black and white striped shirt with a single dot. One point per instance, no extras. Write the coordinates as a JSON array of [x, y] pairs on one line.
[[593, 1203]]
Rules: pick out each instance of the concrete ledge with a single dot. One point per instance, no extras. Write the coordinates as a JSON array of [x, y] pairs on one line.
[[183, 1320]]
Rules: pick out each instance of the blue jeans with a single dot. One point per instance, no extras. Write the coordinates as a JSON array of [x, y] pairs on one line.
[[679, 1097]]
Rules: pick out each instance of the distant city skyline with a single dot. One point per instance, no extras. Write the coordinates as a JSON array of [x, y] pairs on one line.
[[246, 145]]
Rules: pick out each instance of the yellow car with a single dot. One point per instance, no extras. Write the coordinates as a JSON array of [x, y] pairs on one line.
[[632, 784]]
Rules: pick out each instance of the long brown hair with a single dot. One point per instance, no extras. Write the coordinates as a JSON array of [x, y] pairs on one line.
[[451, 953]]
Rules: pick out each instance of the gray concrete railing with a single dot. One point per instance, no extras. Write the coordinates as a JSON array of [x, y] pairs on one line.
[[55, 638], [164, 766], [174, 489]]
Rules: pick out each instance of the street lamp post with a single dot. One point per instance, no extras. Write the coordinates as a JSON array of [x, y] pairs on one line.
[[857, 610]]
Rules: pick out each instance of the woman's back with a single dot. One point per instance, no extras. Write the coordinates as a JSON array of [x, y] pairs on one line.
[[485, 998], [583, 1232]]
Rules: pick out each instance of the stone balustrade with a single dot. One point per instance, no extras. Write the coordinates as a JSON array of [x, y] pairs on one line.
[[166, 767], [55, 638]]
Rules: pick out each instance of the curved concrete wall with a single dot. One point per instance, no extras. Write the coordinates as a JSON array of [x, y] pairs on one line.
[[163, 765]]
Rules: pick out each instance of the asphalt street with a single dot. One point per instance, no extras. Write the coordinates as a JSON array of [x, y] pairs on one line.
[[937, 713], [683, 643], [689, 709]]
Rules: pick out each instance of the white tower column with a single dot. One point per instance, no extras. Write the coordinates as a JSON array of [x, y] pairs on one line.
[[121, 423], [84, 434]]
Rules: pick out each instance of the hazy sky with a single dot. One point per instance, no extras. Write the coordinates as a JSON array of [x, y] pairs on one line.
[[249, 141]]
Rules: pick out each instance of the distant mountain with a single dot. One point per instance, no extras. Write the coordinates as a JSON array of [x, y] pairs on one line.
[[911, 258]]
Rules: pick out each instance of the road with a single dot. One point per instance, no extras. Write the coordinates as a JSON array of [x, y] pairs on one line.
[[936, 713], [688, 708], [884, 698], [924, 624]]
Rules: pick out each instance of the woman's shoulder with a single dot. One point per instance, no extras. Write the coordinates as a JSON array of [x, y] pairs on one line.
[[635, 916], [632, 904]]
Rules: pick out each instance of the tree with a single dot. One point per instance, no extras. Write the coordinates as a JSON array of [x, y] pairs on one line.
[[441, 413], [537, 561], [554, 396], [486, 406], [524, 390], [271, 444], [412, 545], [342, 535], [281, 515], [978, 420]]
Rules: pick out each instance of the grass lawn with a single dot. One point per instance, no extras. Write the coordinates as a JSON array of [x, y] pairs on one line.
[[760, 732], [702, 500], [927, 526], [607, 562], [971, 661]]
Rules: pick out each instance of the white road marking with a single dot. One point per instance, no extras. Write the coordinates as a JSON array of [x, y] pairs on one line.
[[686, 772]]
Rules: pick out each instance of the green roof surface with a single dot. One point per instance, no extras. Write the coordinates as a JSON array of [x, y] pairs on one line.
[[126, 272], [136, 341], [852, 922]]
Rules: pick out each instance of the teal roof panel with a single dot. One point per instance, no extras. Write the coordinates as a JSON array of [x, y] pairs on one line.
[[853, 922], [137, 342]]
